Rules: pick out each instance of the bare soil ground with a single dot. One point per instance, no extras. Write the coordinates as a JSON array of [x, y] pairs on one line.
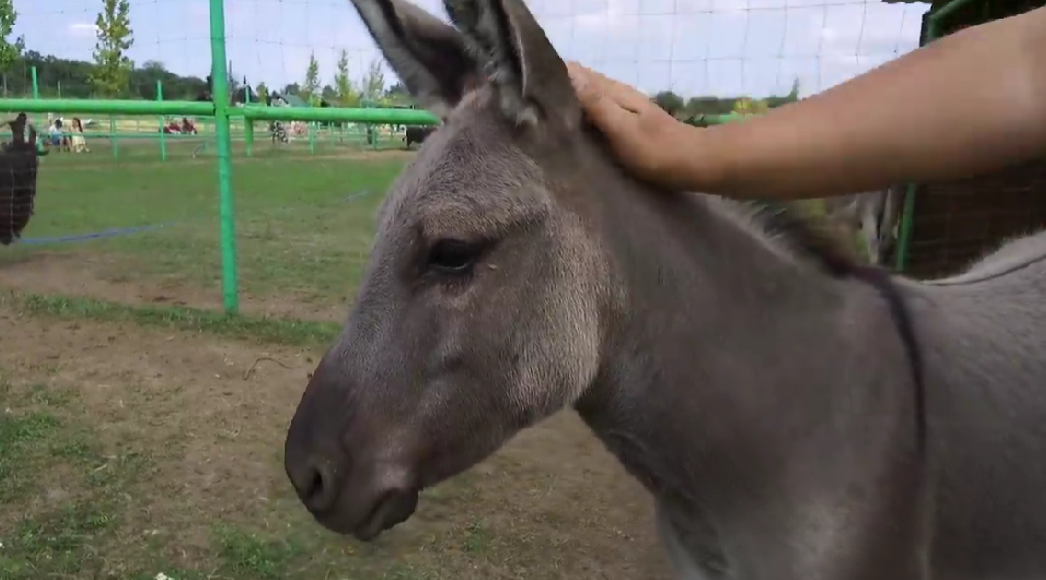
[[126, 452], [102, 276]]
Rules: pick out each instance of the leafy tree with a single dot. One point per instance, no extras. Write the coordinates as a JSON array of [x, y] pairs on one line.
[[373, 84], [747, 106], [115, 37], [343, 89], [310, 88], [263, 92], [670, 102], [9, 50]]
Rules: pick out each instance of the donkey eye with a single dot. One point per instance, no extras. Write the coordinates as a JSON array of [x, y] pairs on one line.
[[453, 256]]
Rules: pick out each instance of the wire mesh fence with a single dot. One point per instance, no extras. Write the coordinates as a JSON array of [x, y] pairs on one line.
[[129, 208]]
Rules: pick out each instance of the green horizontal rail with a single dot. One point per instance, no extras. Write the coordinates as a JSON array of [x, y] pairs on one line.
[[250, 112], [356, 115], [143, 135], [108, 107]]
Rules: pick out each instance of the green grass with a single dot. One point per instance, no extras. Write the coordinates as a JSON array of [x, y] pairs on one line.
[[89, 492], [60, 487], [298, 237], [263, 329]]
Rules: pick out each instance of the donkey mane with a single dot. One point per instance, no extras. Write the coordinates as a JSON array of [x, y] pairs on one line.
[[807, 237]]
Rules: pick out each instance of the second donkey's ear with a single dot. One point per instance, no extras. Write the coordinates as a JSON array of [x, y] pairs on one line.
[[520, 59], [428, 55]]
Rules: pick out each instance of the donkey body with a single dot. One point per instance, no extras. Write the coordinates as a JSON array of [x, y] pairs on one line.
[[752, 379]]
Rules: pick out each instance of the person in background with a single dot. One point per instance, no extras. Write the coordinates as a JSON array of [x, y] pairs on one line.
[[76, 140], [55, 131], [971, 102]]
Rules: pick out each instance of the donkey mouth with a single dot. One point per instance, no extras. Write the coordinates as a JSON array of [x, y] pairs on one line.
[[394, 508]]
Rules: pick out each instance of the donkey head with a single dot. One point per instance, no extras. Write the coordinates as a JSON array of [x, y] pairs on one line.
[[479, 313]]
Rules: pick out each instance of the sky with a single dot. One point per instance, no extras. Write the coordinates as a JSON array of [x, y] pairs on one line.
[[693, 47]]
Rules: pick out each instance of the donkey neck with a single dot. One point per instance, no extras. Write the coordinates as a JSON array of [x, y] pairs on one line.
[[715, 328]]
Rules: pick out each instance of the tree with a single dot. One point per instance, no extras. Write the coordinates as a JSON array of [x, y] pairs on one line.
[[343, 89], [263, 93], [9, 51], [113, 31], [373, 84], [747, 106], [311, 87], [670, 102]]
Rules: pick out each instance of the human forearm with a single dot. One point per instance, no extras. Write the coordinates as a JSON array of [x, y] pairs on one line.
[[968, 103]]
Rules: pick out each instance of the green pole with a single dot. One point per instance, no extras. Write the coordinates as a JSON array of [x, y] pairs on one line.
[[112, 136], [163, 122], [312, 137], [220, 95], [248, 124], [36, 84]]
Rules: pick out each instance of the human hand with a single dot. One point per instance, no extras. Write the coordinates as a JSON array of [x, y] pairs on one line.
[[645, 139]]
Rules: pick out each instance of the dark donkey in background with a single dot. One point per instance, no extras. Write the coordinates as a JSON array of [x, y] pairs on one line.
[[18, 167], [767, 394]]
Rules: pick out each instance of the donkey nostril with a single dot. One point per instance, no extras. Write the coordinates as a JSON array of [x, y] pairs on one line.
[[317, 490], [314, 492]]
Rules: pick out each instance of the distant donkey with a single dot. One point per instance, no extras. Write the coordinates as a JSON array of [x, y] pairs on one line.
[[874, 215], [19, 163], [417, 135], [794, 415]]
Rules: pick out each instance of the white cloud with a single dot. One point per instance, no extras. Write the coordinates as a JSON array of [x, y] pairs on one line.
[[82, 30]]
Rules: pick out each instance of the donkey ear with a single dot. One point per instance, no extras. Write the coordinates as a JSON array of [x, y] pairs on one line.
[[519, 58], [428, 55]]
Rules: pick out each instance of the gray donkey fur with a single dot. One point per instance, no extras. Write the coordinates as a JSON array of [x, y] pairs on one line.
[[760, 389]]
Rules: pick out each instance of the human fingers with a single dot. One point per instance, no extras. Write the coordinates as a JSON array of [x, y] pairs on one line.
[[624, 95], [597, 103]]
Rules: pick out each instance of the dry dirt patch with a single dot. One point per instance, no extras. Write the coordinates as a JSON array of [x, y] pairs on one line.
[[208, 497], [89, 274]]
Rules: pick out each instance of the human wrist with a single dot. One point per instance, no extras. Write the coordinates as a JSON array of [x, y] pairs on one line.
[[696, 161]]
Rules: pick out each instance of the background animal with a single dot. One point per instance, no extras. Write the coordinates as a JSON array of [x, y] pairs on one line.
[[416, 134], [18, 168]]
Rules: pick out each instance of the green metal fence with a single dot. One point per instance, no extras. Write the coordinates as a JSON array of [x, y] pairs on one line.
[[221, 124]]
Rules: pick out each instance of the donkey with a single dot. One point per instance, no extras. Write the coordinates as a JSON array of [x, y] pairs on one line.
[[874, 215], [794, 415], [417, 135], [18, 167]]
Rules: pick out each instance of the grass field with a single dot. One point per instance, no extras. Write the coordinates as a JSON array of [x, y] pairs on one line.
[[141, 430], [304, 224]]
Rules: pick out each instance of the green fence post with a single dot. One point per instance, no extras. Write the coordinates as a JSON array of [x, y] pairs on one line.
[[112, 136], [36, 84], [248, 125], [312, 137], [163, 122], [220, 95]]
